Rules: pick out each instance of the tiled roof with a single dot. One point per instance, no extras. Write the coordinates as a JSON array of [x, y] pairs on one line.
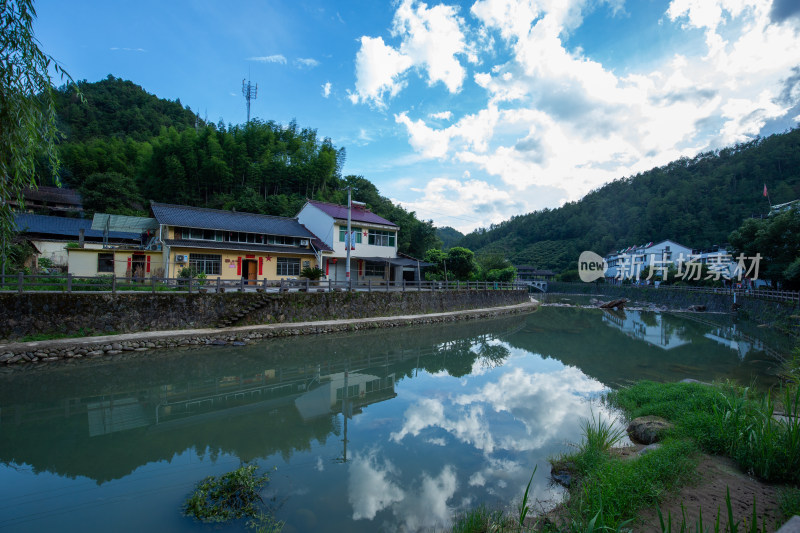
[[357, 214], [240, 246], [201, 218], [54, 195], [65, 227]]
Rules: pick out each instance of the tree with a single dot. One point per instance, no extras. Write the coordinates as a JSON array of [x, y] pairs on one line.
[[777, 240], [112, 192], [27, 108]]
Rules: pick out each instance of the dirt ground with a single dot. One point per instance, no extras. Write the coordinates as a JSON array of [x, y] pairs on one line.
[[715, 474]]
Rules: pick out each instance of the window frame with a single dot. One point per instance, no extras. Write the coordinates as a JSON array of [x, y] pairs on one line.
[[204, 263], [106, 262], [284, 266]]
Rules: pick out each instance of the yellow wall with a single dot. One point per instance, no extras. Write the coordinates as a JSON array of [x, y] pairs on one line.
[[83, 261], [229, 268]]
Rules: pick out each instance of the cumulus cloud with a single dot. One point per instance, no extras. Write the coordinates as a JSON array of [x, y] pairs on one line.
[[550, 116], [326, 89], [277, 58], [430, 40]]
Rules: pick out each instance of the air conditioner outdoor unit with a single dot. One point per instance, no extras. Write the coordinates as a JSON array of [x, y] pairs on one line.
[[303, 242], [180, 258]]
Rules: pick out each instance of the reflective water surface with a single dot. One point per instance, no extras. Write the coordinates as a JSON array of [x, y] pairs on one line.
[[390, 430]]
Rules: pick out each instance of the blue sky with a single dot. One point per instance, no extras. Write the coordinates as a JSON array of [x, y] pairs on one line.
[[466, 112]]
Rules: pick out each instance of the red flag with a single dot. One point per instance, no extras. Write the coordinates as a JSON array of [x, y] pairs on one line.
[[765, 191]]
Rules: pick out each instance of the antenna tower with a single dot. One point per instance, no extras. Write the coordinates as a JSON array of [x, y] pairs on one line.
[[250, 92]]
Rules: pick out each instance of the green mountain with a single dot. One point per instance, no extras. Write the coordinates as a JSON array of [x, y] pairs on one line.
[[449, 236], [124, 146], [697, 202]]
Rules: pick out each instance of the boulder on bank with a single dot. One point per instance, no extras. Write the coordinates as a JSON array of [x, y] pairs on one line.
[[647, 429]]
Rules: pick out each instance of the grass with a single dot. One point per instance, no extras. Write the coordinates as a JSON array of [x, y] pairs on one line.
[[726, 420], [82, 332]]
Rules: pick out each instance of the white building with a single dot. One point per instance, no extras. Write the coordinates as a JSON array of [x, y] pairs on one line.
[[373, 255], [629, 263]]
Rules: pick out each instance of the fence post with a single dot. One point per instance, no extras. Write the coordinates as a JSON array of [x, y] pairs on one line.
[[369, 285], [330, 285], [190, 284], [241, 285], [69, 282], [404, 284], [19, 282], [308, 284], [114, 284], [265, 281]]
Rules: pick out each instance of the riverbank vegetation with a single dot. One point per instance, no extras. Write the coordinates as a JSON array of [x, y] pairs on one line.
[[609, 488]]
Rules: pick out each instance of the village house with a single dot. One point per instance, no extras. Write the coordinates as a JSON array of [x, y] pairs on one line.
[[232, 245], [52, 237], [223, 244], [630, 262], [373, 255]]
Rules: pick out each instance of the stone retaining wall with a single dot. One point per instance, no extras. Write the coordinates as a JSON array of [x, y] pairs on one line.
[[29, 355], [93, 313]]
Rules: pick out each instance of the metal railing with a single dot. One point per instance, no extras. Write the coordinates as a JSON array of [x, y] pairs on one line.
[[69, 283]]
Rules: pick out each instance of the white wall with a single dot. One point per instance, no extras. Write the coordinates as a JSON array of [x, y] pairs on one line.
[[318, 223]]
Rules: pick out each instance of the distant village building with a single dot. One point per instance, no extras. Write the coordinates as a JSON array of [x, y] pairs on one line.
[[629, 263], [49, 200], [530, 273]]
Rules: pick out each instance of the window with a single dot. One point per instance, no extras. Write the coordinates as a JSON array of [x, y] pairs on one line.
[[381, 238], [208, 264], [343, 231], [372, 268], [105, 262], [288, 266]]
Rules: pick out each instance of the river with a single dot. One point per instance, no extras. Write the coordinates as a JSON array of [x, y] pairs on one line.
[[385, 430]]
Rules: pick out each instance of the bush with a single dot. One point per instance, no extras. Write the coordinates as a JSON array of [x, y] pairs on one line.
[[311, 273]]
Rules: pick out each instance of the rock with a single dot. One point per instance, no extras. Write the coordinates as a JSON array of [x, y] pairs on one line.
[[239, 343], [690, 380], [218, 342], [647, 429], [649, 448]]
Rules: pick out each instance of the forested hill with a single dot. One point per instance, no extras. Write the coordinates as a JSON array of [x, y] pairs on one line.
[[697, 202], [117, 108], [124, 147]]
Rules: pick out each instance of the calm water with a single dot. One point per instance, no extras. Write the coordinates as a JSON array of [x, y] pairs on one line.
[[390, 430]]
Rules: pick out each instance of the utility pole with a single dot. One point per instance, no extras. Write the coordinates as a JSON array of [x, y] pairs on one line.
[[348, 241], [250, 92]]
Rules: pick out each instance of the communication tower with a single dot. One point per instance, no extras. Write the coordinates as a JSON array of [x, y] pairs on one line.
[[250, 92]]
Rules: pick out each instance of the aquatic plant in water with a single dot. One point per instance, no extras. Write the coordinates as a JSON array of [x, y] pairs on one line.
[[227, 497]]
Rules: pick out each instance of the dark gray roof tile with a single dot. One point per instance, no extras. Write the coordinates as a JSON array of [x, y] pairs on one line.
[[202, 218]]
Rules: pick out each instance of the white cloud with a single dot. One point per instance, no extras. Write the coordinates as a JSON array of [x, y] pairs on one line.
[[326, 89], [378, 68], [373, 486], [555, 118], [306, 62], [441, 115], [431, 38], [369, 488], [123, 49], [277, 58]]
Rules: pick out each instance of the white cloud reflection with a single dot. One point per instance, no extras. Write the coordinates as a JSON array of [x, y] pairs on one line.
[[373, 486]]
